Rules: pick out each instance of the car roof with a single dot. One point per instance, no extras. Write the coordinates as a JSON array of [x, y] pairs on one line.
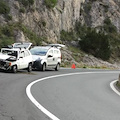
[[13, 49], [45, 47]]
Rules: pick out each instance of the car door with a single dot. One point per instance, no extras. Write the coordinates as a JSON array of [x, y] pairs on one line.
[[20, 62], [50, 58]]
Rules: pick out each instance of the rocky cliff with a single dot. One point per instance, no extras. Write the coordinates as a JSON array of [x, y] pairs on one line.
[[94, 12], [43, 20], [49, 22]]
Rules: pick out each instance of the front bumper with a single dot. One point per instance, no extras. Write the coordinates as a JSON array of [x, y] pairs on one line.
[[4, 65], [37, 64]]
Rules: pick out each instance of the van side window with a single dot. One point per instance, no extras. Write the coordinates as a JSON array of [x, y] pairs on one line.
[[51, 52], [56, 51]]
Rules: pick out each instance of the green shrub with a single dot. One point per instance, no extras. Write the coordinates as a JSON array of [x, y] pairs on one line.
[[4, 8], [22, 10], [67, 36], [7, 30], [8, 17], [96, 44], [31, 2], [27, 2], [43, 23], [4, 41], [35, 39], [109, 27], [50, 3], [106, 7], [6, 35]]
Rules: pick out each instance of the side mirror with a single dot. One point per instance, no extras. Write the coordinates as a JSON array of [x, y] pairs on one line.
[[50, 56]]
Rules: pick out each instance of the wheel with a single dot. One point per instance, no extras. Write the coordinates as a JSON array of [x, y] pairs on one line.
[[29, 67], [14, 69], [43, 67], [57, 67]]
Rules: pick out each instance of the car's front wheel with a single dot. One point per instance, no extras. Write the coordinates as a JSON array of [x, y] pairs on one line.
[[57, 67], [14, 68], [29, 67], [43, 67]]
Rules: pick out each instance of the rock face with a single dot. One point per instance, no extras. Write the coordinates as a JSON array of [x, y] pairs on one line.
[[49, 22], [94, 13], [19, 36], [45, 21]]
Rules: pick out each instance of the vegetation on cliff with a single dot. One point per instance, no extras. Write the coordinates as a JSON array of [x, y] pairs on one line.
[[102, 42], [7, 34]]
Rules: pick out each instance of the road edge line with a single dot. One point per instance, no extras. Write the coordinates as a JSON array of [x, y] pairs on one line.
[[38, 105], [113, 88]]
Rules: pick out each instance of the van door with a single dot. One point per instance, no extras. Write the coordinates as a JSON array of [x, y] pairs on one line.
[[50, 59]]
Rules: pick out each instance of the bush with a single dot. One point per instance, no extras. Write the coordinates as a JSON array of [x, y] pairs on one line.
[[50, 3], [31, 2], [96, 44], [22, 10], [6, 35], [35, 39], [109, 27], [4, 8], [8, 17], [4, 41], [27, 2], [67, 36]]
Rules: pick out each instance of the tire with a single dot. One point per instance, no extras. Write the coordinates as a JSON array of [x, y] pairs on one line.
[[43, 67], [57, 67], [29, 69], [14, 69]]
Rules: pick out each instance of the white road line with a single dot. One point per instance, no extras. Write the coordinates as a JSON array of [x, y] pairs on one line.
[[113, 88], [39, 106]]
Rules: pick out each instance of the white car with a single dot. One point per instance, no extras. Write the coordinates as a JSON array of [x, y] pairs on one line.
[[45, 57], [16, 58]]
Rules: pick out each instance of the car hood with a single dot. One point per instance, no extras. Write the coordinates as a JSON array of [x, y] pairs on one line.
[[37, 57], [4, 57]]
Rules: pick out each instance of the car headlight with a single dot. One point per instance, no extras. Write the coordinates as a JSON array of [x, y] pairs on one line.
[[38, 59]]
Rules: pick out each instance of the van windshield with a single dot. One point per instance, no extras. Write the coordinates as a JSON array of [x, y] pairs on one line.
[[39, 51]]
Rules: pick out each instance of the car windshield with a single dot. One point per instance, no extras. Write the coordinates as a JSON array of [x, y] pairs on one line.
[[39, 51], [9, 52]]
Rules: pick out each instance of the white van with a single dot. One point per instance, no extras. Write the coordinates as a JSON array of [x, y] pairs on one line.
[[45, 57]]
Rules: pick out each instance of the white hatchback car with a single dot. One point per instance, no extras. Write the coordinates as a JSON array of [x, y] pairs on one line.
[[45, 57], [15, 58]]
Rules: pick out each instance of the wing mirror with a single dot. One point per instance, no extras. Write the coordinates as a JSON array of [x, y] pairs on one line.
[[50, 56]]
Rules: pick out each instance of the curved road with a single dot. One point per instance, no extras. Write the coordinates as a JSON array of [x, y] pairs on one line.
[[74, 97]]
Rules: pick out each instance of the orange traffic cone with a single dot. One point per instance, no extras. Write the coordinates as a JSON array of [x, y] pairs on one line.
[[73, 66]]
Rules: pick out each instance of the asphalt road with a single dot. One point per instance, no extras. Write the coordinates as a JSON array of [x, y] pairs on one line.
[[74, 97]]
